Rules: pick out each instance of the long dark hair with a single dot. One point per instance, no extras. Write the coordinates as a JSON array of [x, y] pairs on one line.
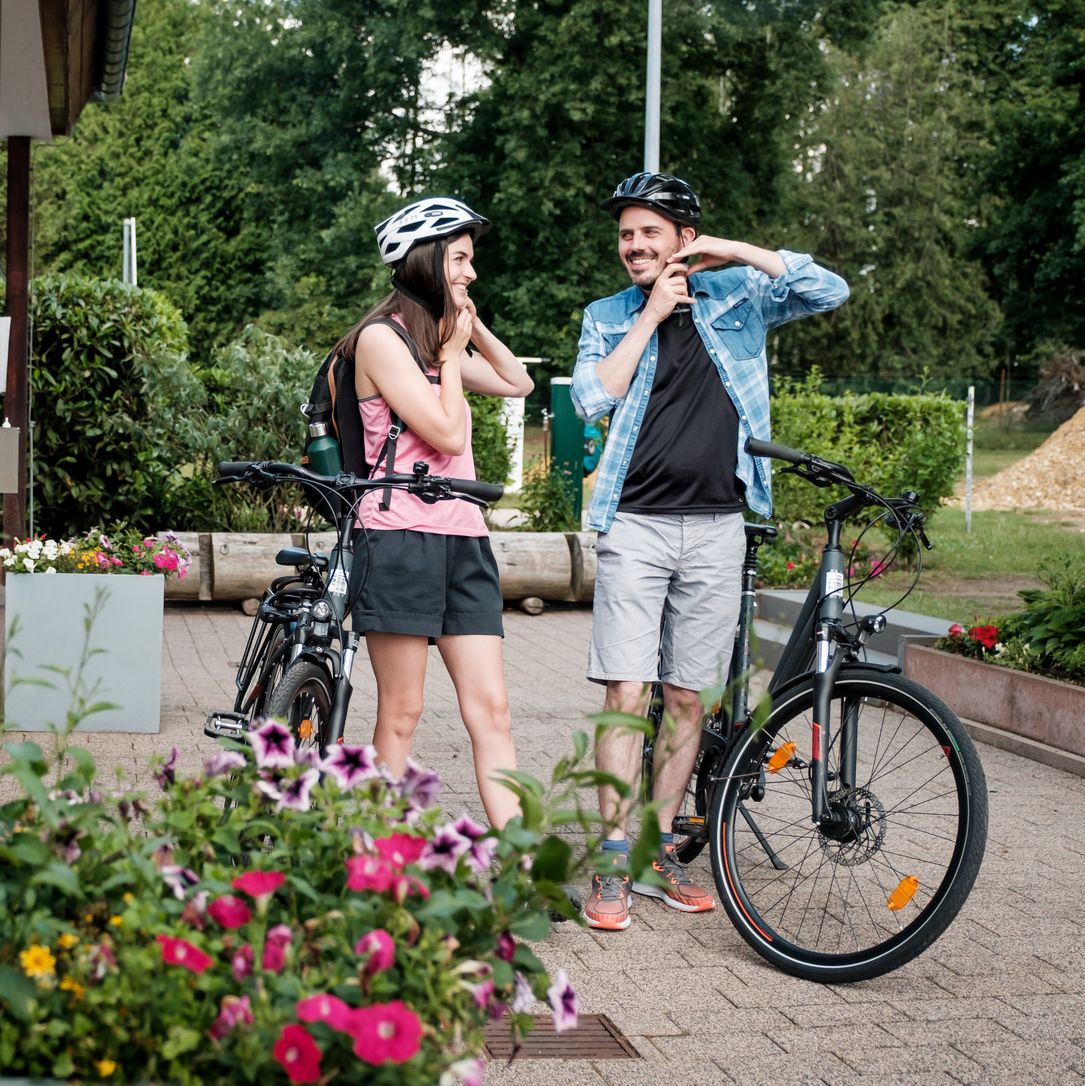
[[422, 275]]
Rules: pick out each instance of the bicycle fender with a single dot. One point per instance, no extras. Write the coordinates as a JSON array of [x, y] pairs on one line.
[[858, 667], [328, 660]]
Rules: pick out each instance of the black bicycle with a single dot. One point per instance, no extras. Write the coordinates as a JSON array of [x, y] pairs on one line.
[[846, 816], [299, 656]]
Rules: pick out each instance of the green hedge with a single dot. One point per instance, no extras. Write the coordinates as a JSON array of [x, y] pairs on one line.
[[113, 396], [891, 442]]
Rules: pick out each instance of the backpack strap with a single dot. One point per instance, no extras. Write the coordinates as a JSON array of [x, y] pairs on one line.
[[388, 449]]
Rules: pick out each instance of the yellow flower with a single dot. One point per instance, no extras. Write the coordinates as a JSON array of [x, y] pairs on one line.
[[73, 986], [67, 940], [38, 961], [105, 1067], [116, 921], [128, 898]]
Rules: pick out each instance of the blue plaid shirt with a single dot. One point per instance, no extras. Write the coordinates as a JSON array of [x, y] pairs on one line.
[[734, 309]]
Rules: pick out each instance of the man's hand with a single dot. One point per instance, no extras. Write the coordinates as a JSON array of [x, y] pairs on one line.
[[714, 252], [669, 290]]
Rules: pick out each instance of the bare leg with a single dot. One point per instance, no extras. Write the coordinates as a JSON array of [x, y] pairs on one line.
[[676, 750], [618, 752], [399, 666], [476, 667]]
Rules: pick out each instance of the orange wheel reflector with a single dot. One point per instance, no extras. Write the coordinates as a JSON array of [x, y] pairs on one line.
[[904, 893], [781, 757], [305, 729]]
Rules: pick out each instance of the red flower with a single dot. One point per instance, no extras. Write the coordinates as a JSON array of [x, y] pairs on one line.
[[378, 949], [386, 1033], [278, 939], [400, 849], [956, 630], [987, 636], [323, 1007], [182, 952], [233, 1012], [259, 884], [229, 911], [297, 1054], [368, 873]]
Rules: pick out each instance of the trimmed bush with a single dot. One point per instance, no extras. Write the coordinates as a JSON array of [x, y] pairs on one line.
[[112, 396], [891, 442]]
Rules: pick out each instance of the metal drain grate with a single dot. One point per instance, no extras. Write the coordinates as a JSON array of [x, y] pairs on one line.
[[596, 1037]]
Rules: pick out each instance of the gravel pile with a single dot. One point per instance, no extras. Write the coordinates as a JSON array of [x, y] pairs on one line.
[[1051, 477]]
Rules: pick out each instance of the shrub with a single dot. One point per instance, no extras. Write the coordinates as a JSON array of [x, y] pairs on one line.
[[489, 438], [113, 396], [547, 500], [891, 442]]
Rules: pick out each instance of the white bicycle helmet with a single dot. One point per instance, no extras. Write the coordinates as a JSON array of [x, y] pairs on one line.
[[434, 217]]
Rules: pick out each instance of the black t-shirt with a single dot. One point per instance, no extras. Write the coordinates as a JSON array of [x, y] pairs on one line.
[[686, 453]]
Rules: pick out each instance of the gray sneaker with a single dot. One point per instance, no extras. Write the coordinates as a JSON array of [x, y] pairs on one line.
[[681, 892]]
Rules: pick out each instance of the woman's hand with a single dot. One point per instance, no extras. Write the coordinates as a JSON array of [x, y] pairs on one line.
[[460, 336]]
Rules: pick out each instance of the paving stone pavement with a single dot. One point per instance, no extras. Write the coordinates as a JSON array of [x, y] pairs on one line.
[[1000, 998]]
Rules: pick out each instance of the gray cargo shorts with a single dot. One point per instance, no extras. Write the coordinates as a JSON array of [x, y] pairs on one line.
[[679, 572]]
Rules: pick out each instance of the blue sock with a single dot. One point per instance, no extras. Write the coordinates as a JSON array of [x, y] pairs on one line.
[[621, 846], [666, 839]]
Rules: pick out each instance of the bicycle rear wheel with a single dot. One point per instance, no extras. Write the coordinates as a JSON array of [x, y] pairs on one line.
[[850, 903], [303, 699], [255, 700]]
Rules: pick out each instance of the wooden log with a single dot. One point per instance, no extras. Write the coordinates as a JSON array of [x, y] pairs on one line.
[[533, 564], [582, 549], [243, 564], [532, 605]]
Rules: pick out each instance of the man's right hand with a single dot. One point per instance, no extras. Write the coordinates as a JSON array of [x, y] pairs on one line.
[[669, 290]]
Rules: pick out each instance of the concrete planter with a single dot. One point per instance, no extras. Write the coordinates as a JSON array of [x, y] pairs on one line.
[[1042, 710], [47, 641]]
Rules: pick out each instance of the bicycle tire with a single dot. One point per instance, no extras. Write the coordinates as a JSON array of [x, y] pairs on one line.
[[269, 675], [920, 812], [303, 700]]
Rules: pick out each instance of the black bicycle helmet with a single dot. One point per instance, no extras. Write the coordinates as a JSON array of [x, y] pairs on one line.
[[662, 192]]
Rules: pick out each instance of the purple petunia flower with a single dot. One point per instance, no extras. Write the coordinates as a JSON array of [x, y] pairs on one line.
[[167, 774], [419, 786], [273, 744], [225, 761], [446, 847], [523, 998], [563, 1001], [295, 792], [467, 827], [307, 756], [351, 765], [179, 879]]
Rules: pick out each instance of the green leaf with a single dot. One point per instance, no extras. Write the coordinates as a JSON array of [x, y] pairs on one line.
[[59, 875], [17, 990], [181, 1039], [532, 926], [551, 860]]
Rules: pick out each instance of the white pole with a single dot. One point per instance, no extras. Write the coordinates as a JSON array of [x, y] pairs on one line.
[[651, 86], [969, 418], [130, 252]]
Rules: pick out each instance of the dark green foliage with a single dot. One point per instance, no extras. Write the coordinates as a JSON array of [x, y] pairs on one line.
[[114, 401], [1048, 634], [546, 500], [489, 439], [892, 443]]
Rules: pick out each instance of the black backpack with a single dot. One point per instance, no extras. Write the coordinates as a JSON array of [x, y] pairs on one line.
[[334, 403]]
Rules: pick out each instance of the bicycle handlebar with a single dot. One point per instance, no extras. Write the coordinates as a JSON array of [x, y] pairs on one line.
[[428, 487]]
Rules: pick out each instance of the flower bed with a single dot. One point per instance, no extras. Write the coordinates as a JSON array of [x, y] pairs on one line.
[[275, 918]]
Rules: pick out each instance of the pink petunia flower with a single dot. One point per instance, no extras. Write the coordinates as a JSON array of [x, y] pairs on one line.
[[378, 951], [234, 1011], [276, 942], [444, 850], [229, 911], [225, 761], [181, 952], [563, 1002], [470, 1071], [273, 745], [400, 849], [298, 1055], [351, 765], [323, 1007], [523, 998], [418, 785], [506, 946], [241, 963], [259, 885], [368, 873], [386, 1033]]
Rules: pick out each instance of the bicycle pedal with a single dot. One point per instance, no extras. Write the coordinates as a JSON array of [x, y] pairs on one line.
[[226, 726], [691, 826]]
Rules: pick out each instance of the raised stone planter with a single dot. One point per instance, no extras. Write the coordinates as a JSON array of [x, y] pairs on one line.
[[1038, 709]]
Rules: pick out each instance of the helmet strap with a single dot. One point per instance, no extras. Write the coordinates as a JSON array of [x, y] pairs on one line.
[[435, 308]]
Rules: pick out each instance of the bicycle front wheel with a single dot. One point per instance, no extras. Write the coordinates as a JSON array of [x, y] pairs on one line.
[[303, 699], [873, 889]]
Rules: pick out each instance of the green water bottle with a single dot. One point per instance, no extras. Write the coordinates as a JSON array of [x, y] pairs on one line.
[[325, 456]]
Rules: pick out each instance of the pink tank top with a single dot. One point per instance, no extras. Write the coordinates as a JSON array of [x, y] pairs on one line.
[[405, 510]]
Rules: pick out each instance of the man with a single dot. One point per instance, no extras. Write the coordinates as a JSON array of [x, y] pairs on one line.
[[678, 361]]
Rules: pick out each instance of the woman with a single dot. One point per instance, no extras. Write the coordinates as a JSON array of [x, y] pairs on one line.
[[426, 572]]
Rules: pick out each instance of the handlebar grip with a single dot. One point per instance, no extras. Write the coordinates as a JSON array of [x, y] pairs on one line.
[[474, 488], [233, 469], [777, 452]]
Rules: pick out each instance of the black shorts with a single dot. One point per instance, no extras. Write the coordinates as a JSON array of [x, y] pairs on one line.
[[424, 584]]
